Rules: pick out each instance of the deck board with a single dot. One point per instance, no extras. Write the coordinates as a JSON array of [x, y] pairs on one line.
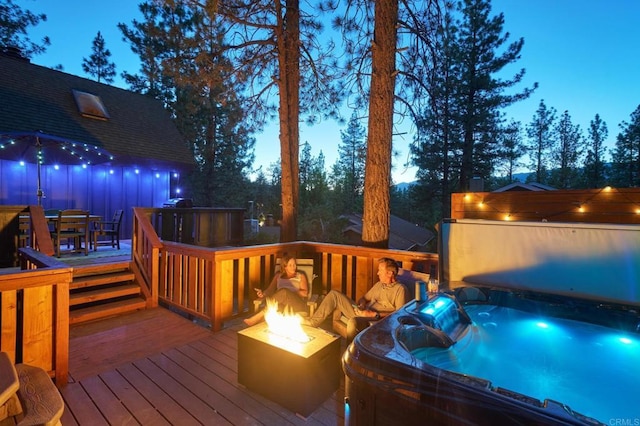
[[155, 367]]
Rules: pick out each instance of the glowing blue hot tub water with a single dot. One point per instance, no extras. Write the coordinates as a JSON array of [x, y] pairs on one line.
[[486, 356], [595, 370]]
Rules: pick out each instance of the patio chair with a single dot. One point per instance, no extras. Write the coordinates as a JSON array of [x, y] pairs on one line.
[[306, 267], [24, 227], [108, 228], [72, 226], [405, 277]]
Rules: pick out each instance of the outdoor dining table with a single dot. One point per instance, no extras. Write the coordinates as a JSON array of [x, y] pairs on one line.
[[53, 218]]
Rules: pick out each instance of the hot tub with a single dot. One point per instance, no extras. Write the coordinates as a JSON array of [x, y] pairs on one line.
[[483, 355]]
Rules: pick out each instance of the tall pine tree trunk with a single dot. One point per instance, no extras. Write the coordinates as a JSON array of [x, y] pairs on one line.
[[377, 181], [289, 86]]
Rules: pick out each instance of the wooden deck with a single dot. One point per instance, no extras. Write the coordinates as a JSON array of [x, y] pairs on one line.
[[155, 367]]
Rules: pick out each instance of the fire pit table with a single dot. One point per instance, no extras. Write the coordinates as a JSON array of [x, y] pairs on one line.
[[297, 375]]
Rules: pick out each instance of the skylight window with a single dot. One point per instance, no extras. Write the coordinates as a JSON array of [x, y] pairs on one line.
[[90, 105]]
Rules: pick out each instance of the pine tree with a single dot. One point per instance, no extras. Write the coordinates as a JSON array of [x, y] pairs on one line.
[[458, 135], [98, 64], [183, 64], [511, 150], [348, 172], [14, 22], [566, 153], [481, 92], [626, 154], [275, 48], [594, 167], [541, 140]]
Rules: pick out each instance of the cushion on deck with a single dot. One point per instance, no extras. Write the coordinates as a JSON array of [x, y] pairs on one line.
[[41, 401]]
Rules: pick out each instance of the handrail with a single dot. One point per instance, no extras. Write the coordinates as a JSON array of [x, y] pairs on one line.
[[215, 284], [36, 331], [145, 251]]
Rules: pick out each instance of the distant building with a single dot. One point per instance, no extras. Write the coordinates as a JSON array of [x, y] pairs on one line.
[[403, 235], [521, 186]]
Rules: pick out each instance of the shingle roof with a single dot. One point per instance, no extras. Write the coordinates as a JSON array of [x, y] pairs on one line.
[[403, 235], [139, 130]]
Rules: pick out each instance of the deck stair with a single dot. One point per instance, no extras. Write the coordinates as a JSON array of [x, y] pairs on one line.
[[102, 290]]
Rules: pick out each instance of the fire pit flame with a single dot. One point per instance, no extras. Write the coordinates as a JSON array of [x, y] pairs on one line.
[[285, 324]]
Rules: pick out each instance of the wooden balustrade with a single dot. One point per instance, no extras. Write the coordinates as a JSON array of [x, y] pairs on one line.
[[145, 262], [215, 284], [35, 313]]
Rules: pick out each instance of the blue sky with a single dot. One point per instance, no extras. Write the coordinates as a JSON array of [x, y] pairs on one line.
[[584, 54]]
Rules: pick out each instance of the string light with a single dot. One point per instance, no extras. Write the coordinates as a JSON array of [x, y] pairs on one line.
[[578, 206]]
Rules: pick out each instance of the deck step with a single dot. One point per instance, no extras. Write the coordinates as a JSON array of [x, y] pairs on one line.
[[41, 401], [104, 310], [101, 279], [105, 292], [100, 268]]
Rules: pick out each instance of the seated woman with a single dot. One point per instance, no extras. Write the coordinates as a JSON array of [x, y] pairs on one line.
[[289, 288]]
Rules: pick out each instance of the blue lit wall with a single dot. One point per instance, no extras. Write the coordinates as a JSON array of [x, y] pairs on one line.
[[99, 189]]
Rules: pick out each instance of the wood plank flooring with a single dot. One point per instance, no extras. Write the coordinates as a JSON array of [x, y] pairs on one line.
[[154, 367]]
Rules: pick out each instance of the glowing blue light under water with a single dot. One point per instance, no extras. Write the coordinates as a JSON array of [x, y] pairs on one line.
[[568, 361]]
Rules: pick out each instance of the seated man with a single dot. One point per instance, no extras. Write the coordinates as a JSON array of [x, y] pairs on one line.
[[385, 297]]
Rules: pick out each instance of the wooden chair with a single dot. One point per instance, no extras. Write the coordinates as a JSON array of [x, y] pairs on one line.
[[306, 267], [110, 228], [72, 226], [24, 226]]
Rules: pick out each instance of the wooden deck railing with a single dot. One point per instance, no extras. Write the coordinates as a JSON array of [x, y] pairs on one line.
[[215, 284], [34, 302]]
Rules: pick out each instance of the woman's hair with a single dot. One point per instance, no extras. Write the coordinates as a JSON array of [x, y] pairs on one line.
[[286, 257]]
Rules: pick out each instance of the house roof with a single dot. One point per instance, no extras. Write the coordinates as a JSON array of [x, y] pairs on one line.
[[521, 186], [403, 235], [40, 100]]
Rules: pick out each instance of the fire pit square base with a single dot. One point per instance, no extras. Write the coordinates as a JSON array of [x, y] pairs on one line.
[[298, 376]]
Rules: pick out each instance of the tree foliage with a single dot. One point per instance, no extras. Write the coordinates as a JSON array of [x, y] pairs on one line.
[[595, 175], [566, 154], [457, 137], [14, 24], [347, 175], [98, 64], [183, 64], [541, 140], [626, 154], [275, 50]]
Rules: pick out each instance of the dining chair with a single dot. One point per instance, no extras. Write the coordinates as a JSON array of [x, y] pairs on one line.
[[108, 228], [72, 226], [24, 235]]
